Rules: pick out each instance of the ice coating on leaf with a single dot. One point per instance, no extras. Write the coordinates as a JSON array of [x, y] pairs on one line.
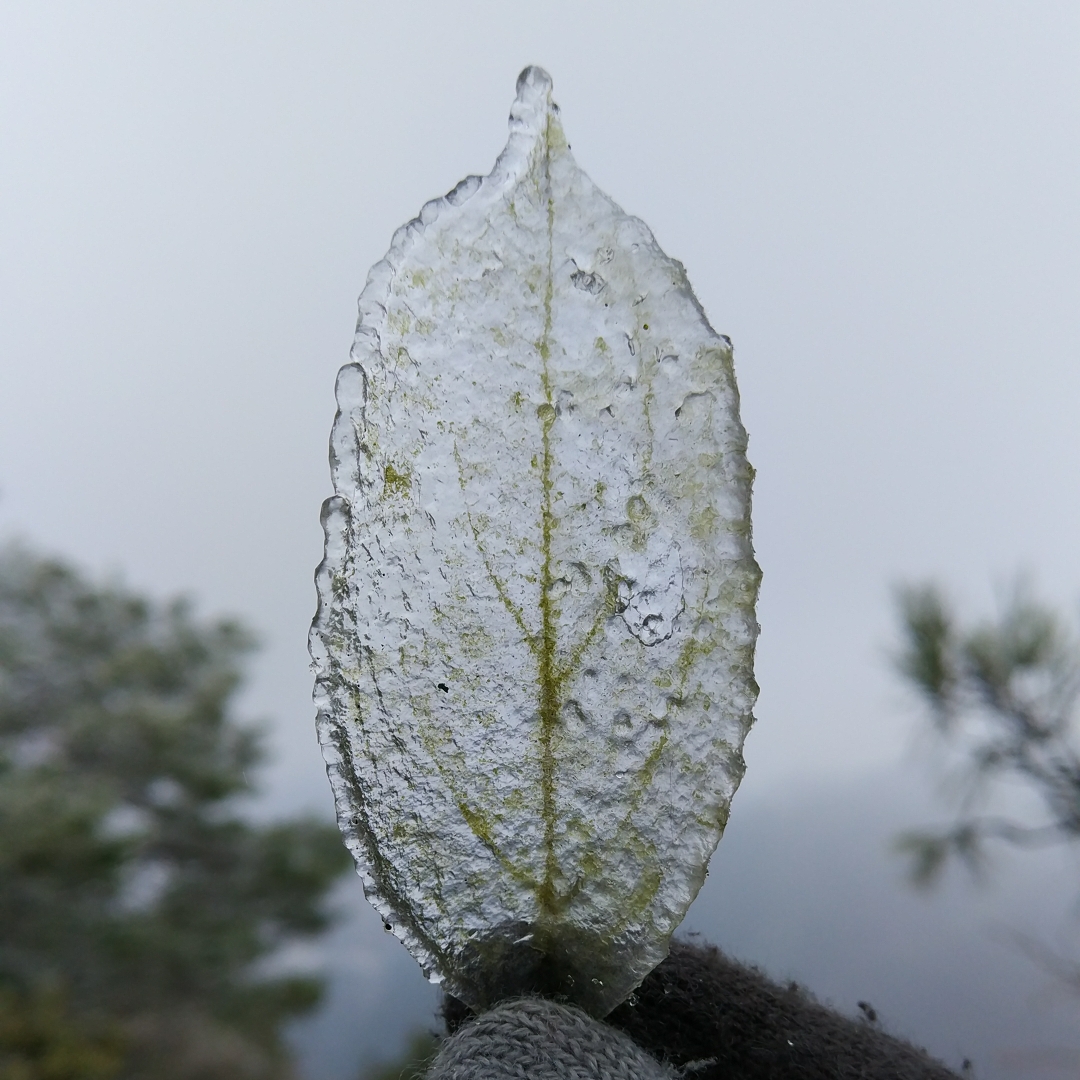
[[535, 633]]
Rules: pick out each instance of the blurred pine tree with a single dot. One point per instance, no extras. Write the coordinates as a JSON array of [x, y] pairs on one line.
[[136, 900], [1003, 694]]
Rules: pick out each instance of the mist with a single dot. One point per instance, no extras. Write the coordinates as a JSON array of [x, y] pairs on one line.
[[878, 205]]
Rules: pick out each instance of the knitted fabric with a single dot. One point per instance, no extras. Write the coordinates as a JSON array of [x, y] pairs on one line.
[[542, 1040], [720, 1020]]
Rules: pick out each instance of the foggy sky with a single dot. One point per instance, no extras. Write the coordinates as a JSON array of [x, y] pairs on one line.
[[876, 202]]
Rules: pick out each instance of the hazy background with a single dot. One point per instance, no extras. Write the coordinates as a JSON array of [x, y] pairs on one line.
[[877, 202]]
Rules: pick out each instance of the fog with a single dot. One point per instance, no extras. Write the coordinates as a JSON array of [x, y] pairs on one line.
[[876, 202]]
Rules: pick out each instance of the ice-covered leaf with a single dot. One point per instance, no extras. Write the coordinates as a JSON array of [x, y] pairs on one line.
[[536, 625]]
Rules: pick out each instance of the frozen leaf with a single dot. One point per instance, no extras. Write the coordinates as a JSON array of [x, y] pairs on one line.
[[536, 627]]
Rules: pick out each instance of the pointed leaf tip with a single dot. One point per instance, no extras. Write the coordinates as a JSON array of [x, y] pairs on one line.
[[533, 82], [533, 104]]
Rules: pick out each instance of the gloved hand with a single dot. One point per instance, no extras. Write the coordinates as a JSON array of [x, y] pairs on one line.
[[698, 1014], [542, 1040]]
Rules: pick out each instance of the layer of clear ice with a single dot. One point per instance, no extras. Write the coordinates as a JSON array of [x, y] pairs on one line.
[[535, 634]]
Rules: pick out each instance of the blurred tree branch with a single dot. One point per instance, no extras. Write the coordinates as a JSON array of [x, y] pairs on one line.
[[1004, 694]]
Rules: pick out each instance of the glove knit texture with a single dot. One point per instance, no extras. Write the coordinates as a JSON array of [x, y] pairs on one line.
[[542, 1040], [727, 1021]]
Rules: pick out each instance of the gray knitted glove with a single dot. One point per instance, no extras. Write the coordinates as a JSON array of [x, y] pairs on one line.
[[534, 1039]]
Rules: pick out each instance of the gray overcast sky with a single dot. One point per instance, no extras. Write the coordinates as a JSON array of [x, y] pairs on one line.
[[877, 202]]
